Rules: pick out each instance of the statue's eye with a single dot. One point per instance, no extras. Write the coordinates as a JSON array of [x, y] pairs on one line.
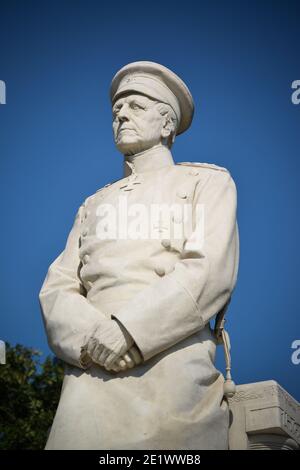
[[136, 106]]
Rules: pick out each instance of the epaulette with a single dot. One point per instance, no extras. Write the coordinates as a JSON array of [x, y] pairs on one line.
[[204, 165], [108, 184], [105, 186], [91, 197]]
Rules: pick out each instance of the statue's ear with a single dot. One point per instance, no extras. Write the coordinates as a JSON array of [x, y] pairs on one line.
[[168, 133], [168, 127]]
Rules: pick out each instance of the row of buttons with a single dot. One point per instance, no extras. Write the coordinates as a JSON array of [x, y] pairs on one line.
[[160, 270], [166, 243]]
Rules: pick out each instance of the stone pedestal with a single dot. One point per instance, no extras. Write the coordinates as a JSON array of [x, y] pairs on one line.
[[264, 416]]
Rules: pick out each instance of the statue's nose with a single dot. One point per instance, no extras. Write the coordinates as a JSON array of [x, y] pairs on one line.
[[123, 113]]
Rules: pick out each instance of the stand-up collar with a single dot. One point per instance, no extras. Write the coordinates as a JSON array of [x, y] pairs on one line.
[[153, 159]]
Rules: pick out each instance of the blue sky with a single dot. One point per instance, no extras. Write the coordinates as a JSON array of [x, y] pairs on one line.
[[239, 59]]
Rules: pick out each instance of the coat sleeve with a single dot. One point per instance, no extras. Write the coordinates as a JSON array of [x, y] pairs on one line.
[[184, 300], [69, 318]]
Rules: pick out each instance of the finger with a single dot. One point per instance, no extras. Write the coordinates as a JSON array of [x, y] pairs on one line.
[[97, 353], [114, 368], [135, 355], [129, 361], [91, 345], [119, 364], [122, 364], [103, 355], [110, 359]]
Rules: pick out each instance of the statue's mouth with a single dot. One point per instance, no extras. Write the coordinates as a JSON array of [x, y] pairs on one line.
[[125, 129]]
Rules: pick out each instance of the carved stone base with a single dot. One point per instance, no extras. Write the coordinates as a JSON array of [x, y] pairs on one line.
[[264, 416]]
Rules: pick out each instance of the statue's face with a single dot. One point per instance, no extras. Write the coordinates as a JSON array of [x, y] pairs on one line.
[[137, 123]]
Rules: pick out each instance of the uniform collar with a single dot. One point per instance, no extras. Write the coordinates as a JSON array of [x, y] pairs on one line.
[[149, 160]]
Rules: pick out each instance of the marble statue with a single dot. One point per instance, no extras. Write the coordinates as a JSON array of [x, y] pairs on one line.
[[150, 260]]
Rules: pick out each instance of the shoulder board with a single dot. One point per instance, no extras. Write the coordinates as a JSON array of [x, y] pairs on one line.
[[210, 166], [103, 187], [107, 185]]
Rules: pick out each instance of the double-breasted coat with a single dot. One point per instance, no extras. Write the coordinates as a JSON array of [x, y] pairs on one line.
[[164, 291]]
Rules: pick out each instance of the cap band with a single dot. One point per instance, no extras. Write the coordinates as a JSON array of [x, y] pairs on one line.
[[150, 86]]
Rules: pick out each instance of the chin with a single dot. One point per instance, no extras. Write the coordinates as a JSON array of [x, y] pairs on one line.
[[128, 146]]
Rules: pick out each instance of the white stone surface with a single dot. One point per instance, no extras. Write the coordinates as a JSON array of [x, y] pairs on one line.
[[264, 416], [104, 297]]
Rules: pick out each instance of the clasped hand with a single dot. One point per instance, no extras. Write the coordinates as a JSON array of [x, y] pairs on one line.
[[112, 347]]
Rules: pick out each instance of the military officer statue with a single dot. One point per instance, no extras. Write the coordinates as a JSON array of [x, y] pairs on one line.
[[127, 305]]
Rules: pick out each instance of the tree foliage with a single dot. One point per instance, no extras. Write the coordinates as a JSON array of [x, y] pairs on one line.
[[29, 394]]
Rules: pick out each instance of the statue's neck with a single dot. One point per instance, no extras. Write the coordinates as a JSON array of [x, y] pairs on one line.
[[149, 160]]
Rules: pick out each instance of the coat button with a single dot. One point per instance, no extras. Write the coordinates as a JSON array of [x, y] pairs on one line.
[[85, 232], [193, 172], [85, 259], [166, 243], [181, 193], [160, 271]]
